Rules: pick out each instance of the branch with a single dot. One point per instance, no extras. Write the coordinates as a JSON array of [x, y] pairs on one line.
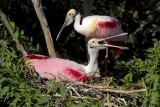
[[91, 86], [43, 21], [101, 88], [123, 91], [12, 33]]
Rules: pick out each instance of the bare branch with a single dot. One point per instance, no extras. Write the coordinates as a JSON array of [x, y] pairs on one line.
[[43, 21], [145, 87], [101, 88], [123, 91]]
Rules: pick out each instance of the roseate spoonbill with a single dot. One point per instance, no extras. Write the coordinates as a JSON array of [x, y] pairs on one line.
[[96, 27], [67, 69]]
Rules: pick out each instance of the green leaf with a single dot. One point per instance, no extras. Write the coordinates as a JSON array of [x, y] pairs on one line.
[[43, 102], [14, 102], [134, 101], [28, 103], [22, 32], [4, 91], [37, 93], [79, 105], [12, 24], [16, 33], [62, 90], [156, 82], [3, 79]]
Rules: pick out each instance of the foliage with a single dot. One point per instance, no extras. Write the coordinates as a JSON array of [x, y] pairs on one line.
[[145, 74]]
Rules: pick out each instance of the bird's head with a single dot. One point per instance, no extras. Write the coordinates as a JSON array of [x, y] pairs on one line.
[[69, 20], [96, 44], [100, 44], [70, 16]]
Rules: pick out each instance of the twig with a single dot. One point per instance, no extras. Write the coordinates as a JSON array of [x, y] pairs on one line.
[[110, 90], [43, 21], [123, 91], [110, 105], [145, 87], [120, 99], [58, 95], [117, 100], [89, 85], [76, 92], [12, 33]]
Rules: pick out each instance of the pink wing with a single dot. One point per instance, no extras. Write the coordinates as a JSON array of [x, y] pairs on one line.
[[110, 28], [65, 69]]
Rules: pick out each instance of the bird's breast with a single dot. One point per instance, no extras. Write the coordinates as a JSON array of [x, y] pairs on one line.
[[89, 27]]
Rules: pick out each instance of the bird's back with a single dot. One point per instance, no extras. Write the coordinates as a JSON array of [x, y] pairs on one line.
[[65, 69], [102, 27]]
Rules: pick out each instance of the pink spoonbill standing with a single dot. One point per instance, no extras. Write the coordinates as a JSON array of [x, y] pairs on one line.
[[69, 70], [96, 27]]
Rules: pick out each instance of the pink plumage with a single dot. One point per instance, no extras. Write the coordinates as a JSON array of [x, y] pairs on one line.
[[65, 69]]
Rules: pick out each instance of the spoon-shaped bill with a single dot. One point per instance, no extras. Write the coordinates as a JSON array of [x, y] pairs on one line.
[[64, 25], [120, 47], [122, 34]]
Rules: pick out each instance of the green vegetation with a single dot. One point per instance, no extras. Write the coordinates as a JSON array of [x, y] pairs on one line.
[[145, 74]]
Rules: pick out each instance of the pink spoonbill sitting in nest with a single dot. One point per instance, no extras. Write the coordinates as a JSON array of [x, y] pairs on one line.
[[69, 70]]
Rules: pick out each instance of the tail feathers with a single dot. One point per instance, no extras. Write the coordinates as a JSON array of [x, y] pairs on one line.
[[36, 56]]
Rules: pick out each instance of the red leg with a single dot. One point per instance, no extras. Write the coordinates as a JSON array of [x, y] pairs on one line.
[[106, 58]]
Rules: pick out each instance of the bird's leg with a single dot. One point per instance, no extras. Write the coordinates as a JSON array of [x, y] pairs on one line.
[[106, 60]]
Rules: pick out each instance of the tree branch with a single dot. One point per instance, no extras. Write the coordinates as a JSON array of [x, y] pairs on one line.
[[43, 21], [101, 88]]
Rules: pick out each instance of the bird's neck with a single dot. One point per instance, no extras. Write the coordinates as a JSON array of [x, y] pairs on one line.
[[77, 26], [92, 66]]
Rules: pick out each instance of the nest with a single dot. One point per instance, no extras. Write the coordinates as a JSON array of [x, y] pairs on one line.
[[92, 89]]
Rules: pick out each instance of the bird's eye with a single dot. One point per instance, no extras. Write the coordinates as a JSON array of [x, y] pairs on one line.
[[93, 41], [70, 14]]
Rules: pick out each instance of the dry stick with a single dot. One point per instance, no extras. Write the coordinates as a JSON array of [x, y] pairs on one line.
[[123, 91], [145, 87], [45, 27], [91, 86], [111, 90], [12, 33]]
